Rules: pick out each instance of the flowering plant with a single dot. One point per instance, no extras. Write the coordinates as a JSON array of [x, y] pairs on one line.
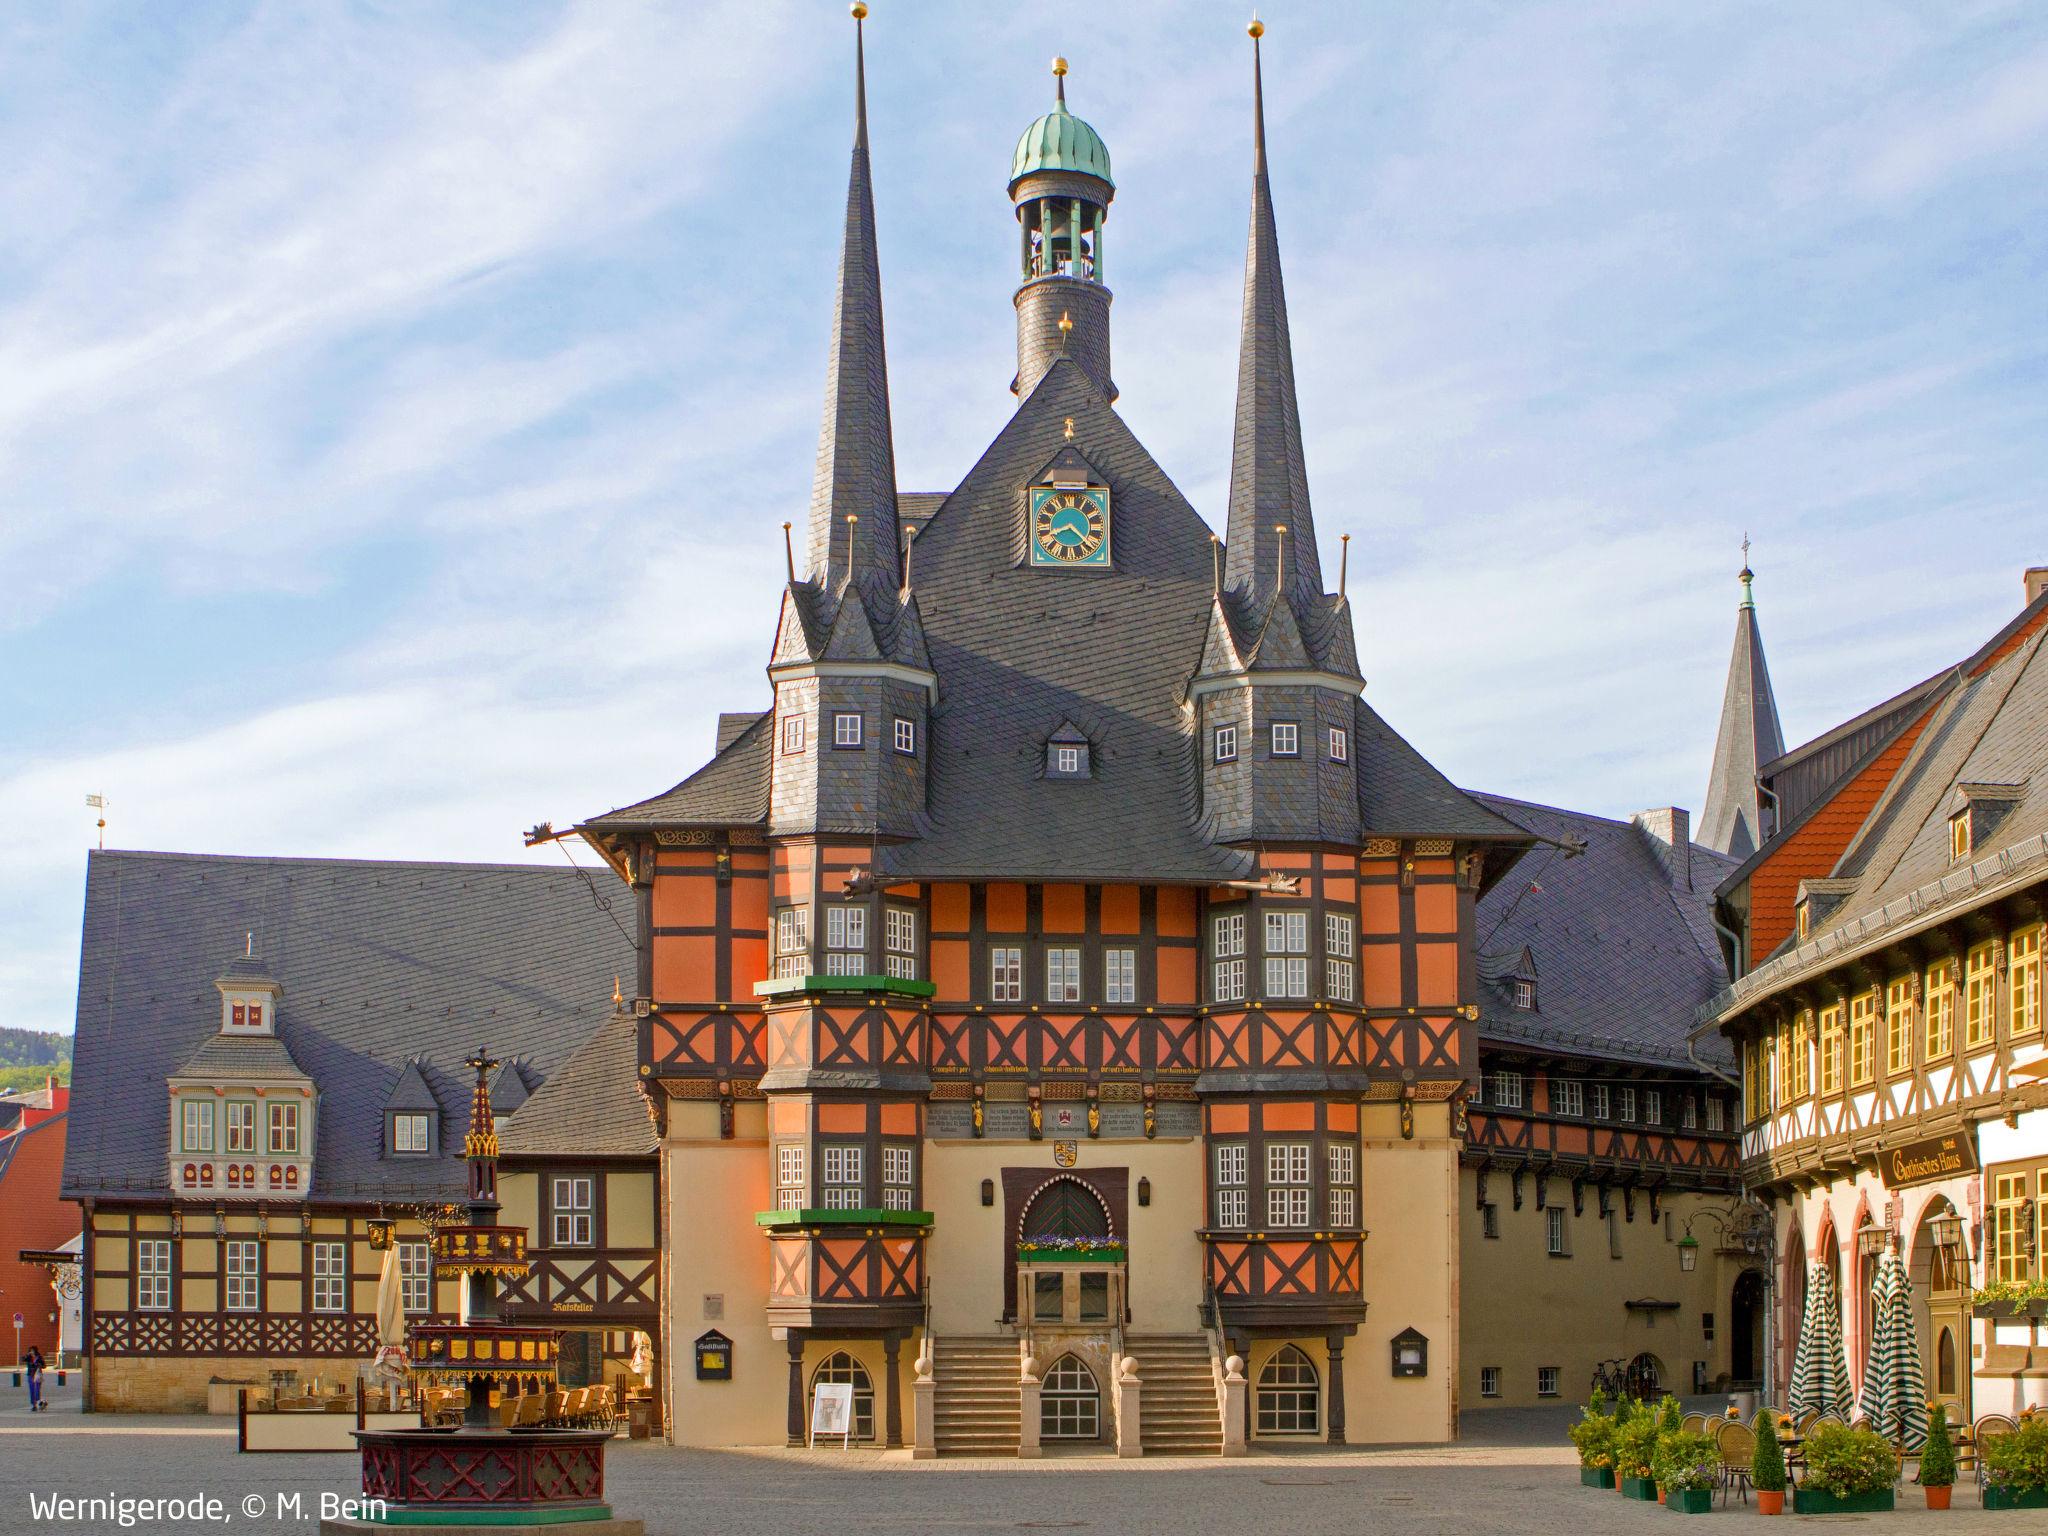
[[1593, 1434], [1069, 1245], [2018, 1292], [2018, 1461], [1686, 1462], [1844, 1461]]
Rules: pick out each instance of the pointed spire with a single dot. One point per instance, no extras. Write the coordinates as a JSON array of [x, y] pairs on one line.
[[1268, 478], [856, 473], [1732, 820]]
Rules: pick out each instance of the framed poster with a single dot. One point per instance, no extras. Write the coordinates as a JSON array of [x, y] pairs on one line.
[[832, 1411]]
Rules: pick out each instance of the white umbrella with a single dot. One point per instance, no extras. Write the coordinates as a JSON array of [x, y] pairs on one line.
[[390, 1357]]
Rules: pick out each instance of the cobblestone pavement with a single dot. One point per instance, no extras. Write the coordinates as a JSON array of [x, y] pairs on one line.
[[1510, 1473]]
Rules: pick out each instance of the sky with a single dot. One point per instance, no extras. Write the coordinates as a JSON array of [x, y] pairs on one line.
[[399, 403]]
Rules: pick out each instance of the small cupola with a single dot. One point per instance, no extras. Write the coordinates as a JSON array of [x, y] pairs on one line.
[[249, 994]]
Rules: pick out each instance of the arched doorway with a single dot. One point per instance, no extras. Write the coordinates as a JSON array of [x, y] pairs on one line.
[[1069, 1402], [1940, 1273], [842, 1367], [1065, 1208], [1746, 1330], [1290, 1395]]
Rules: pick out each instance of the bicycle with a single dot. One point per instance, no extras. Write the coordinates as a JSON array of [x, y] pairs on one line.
[[1609, 1377]]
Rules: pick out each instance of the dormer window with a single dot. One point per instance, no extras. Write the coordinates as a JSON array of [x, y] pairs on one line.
[[1066, 755], [284, 1129], [411, 1133], [1804, 916], [1525, 996], [1286, 739], [198, 1126], [1958, 837]]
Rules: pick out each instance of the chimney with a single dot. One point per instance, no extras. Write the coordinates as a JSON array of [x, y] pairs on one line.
[[1669, 830], [2037, 583]]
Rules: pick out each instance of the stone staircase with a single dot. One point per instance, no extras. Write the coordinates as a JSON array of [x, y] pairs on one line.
[[974, 1404], [1178, 1416]]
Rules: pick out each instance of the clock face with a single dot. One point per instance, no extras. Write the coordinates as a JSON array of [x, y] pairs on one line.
[[1069, 527]]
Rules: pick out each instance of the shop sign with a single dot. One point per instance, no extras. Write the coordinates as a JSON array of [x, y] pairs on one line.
[[1935, 1157]]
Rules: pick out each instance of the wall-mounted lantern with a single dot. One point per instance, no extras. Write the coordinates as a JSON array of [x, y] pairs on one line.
[[714, 1356], [988, 1191], [1688, 1253], [1411, 1353], [1144, 1191], [1870, 1239]]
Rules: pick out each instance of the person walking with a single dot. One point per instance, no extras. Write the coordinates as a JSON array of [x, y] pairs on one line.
[[34, 1364]]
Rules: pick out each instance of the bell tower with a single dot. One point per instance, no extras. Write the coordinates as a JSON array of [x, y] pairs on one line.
[[1061, 188]]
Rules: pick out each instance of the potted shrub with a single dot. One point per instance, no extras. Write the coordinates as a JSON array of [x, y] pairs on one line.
[[1593, 1437], [2016, 1467], [1938, 1458], [1687, 1466], [1767, 1469], [1848, 1471], [1635, 1445]]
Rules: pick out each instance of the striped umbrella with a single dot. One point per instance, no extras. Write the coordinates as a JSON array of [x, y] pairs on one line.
[[1895, 1358], [1820, 1371]]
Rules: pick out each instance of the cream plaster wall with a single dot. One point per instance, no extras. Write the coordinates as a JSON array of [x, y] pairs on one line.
[[1407, 1190]]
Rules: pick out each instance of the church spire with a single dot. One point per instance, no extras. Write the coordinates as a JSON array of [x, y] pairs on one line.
[[856, 473], [1268, 479], [1732, 820]]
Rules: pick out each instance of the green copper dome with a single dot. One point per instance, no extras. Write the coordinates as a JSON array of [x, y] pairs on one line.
[[1060, 141]]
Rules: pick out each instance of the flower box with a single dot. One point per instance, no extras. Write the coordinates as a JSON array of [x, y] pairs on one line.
[[1690, 1501], [1814, 1501], [1102, 1253], [1644, 1488], [2008, 1311], [1996, 1497], [1596, 1477]]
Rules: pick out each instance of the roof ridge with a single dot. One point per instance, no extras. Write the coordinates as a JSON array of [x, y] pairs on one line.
[[126, 855]]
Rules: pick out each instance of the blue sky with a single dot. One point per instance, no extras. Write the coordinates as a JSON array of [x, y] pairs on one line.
[[399, 403]]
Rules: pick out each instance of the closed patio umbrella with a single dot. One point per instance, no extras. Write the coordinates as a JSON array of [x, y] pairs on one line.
[[390, 1317], [1820, 1370], [1895, 1392]]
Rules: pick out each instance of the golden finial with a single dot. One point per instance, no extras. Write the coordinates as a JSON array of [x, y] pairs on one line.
[[1257, 29], [1066, 322], [1059, 66], [858, 10], [1069, 433], [618, 997]]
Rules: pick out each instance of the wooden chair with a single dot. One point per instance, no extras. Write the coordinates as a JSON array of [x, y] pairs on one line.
[[1737, 1445], [556, 1400], [532, 1410], [607, 1408], [1693, 1424], [508, 1410]]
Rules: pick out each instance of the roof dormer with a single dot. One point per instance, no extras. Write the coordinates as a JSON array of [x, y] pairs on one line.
[[248, 995]]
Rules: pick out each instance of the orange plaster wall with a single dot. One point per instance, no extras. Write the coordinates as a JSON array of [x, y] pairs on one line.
[[687, 900], [1120, 909], [685, 968], [1064, 909], [1176, 912], [1229, 1119], [1288, 1117], [952, 908], [1436, 973], [951, 968], [1177, 975], [1006, 909]]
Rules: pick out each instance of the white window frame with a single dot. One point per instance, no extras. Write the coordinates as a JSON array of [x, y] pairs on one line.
[[1226, 974], [415, 1277], [790, 1192], [1286, 933], [239, 1132], [906, 736], [1546, 1380], [410, 1132], [847, 728], [899, 1176], [1567, 1097], [1063, 974], [1556, 1235], [1625, 1104], [1340, 973], [792, 942], [153, 1274], [241, 1267], [792, 735], [1489, 1381], [196, 1125], [1224, 741], [1716, 1115], [1342, 1160], [1005, 973], [842, 1165], [846, 939], [1505, 1089], [1286, 738], [1653, 1106], [1231, 1161], [330, 1277], [1066, 758], [899, 942], [1602, 1107], [1288, 1185], [1525, 994], [1340, 744], [572, 1212], [1120, 975]]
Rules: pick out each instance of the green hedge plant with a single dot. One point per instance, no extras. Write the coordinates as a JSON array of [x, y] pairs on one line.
[[1938, 1456], [1686, 1462], [1767, 1461], [2018, 1462], [1635, 1445], [1593, 1434], [1846, 1462]]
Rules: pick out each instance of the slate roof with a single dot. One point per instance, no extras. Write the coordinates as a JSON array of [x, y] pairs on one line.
[[240, 1056], [380, 962], [591, 1106], [413, 1091], [1622, 953]]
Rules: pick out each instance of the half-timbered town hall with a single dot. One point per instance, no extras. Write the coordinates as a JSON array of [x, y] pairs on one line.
[[1061, 1009]]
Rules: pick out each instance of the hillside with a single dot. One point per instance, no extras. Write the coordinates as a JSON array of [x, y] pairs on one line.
[[28, 1057]]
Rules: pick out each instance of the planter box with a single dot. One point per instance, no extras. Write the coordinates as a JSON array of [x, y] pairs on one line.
[[1690, 1501], [2015, 1498], [1644, 1488], [1996, 1311], [1596, 1477], [1110, 1253], [1811, 1501]]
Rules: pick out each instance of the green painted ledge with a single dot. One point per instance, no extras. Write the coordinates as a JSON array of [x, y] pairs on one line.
[[790, 986], [815, 1216]]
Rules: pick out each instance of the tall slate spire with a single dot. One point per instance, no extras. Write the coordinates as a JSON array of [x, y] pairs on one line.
[[856, 474], [1268, 479], [1732, 820]]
